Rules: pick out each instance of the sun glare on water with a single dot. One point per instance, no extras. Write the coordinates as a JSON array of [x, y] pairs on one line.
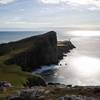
[[85, 33], [86, 66]]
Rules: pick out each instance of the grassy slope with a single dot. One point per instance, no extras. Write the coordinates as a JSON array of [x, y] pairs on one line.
[[13, 73]]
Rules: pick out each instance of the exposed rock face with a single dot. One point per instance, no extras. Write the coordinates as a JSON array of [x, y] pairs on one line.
[[35, 81], [43, 51], [36, 51], [29, 94], [64, 47]]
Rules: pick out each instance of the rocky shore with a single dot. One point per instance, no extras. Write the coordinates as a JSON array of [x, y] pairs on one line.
[[64, 47], [57, 92]]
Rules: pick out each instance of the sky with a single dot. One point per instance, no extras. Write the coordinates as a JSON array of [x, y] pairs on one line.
[[49, 13]]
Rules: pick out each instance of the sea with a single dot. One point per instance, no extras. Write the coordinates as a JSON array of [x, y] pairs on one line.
[[81, 66]]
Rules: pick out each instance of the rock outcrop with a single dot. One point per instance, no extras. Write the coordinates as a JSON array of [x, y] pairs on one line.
[[35, 51], [75, 97], [29, 94], [57, 92], [64, 47], [35, 81], [41, 50]]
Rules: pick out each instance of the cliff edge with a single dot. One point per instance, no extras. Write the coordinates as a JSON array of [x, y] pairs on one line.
[[41, 50], [35, 51]]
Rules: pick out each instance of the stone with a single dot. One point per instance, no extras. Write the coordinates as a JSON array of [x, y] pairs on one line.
[[29, 94], [76, 97], [35, 81]]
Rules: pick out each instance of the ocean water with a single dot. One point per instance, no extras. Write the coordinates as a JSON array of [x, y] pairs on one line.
[[80, 67], [8, 36]]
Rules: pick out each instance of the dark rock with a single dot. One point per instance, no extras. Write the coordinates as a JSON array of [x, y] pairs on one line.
[[36, 51], [51, 83], [35, 81], [64, 47], [4, 49], [15, 98], [96, 91], [54, 84], [69, 86], [29, 94], [42, 50]]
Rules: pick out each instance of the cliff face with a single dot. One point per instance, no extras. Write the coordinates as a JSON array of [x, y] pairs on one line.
[[64, 47], [41, 50], [36, 51]]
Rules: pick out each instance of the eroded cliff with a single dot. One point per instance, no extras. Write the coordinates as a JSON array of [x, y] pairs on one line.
[[41, 50], [35, 51]]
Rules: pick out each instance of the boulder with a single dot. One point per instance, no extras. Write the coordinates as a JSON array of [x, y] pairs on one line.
[[29, 94], [35, 81], [5, 84]]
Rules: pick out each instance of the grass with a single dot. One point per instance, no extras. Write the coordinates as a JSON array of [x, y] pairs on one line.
[[12, 73], [15, 76]]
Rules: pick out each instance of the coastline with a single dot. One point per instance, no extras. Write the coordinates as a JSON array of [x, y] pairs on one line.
[[36, 51], [62, 47]]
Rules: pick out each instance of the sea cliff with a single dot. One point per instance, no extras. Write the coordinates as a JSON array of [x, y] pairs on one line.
[[35, 51]]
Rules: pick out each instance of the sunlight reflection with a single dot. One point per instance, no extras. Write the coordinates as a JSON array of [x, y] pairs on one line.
[[85, 33], [86, 66]]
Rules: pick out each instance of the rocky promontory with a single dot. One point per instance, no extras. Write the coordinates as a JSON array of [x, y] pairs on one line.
[[64, 47], [35, 51]]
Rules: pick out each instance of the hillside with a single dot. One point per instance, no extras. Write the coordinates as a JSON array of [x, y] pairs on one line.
[[29, 54]]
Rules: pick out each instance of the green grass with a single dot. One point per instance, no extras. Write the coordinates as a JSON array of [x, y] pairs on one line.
[[13, 73]]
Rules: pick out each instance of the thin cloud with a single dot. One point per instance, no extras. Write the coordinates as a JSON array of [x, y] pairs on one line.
[[22, 9], [51, 1], [76, 3], [23, 24], [94, 8], [6, 1]]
